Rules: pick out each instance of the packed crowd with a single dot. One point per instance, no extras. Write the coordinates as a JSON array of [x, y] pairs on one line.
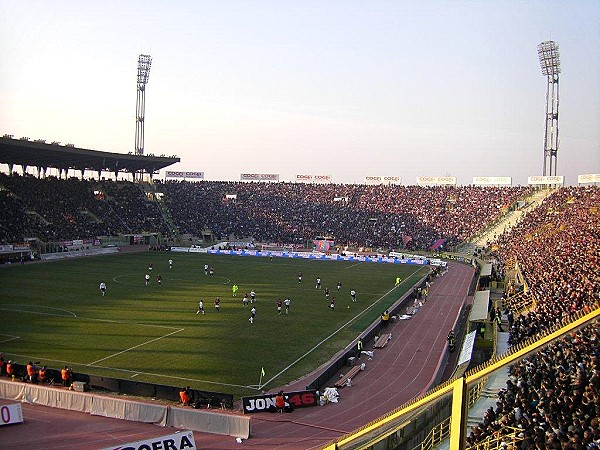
[[53, 209], [412, 217], [390, 217], [554, 396]]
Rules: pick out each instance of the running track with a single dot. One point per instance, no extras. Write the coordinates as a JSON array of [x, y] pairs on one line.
[[400, 371]]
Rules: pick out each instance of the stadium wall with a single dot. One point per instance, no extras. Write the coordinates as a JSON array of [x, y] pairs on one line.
[[193, 419]]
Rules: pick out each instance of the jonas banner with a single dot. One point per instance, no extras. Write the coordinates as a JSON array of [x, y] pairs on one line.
[[264, 403]]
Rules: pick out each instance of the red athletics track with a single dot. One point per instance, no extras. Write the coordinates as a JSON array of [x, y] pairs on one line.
[[397, 373]]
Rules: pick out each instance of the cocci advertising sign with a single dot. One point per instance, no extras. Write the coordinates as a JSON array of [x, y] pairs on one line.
[[588, 178], [492, 181], [183, 440], [447, 181], [382, 179], [259, 177], [323, 179], [171, 174], [542, 179]]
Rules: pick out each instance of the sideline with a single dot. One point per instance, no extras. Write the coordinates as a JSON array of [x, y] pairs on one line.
[[337, 331]]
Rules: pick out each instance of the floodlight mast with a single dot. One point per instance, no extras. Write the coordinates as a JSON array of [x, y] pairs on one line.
[[550, 65], [143, 72]]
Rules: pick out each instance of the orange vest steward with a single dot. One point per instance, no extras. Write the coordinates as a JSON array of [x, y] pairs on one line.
[[279, 401], [64, 373], [185, 398], [10, 369], [30, 370], [42, 375]]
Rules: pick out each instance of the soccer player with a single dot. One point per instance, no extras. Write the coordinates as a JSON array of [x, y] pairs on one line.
[[318, 283], [218, 304], [150, 267], [170, 263], [287, 302], [299, 277], [339, 286], [234, 290], [398, 280], [205, 269], [252, 296], [200, 307], [147, 279], [211, 271], [159, 280], [103, 288], [353, 295], [326, 292], [279, 305], [252, 314], [332, 304], [245, 299]]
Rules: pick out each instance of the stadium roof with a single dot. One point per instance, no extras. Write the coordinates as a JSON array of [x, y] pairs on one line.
[[43, 155]]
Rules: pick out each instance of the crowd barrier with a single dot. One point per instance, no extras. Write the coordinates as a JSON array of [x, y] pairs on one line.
[[193, 419]]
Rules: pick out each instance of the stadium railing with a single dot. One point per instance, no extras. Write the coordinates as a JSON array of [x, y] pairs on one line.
[[409, 426]]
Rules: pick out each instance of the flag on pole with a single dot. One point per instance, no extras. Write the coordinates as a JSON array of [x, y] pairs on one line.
[[262, 371]]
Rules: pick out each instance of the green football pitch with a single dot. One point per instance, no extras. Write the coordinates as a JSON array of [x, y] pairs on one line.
[[54, 313]]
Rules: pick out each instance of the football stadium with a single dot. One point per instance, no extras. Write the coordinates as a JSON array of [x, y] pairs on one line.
[[120, 301], [148, 306]]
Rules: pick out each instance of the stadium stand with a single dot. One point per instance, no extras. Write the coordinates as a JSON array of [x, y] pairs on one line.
[[390, 217], [553, 396]]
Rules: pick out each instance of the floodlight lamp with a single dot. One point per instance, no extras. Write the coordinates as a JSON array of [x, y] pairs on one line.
[[549, 58], [144, 63]]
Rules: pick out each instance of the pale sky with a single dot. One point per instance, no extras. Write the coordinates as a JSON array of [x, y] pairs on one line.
[[344, 88]]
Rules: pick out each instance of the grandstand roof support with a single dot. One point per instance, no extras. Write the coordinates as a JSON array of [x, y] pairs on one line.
[[550, 64]]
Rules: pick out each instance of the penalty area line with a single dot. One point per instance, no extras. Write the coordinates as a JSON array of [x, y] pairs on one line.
[[135, 346]]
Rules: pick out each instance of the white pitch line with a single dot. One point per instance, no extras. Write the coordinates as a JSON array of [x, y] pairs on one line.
[[135, 346], [35, 312], [328, 337], [125, 322], [12, 338], [352, 265], [334, 333]]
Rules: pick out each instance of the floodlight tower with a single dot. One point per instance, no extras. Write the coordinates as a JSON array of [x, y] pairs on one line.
[[550, 64], [143, 72]]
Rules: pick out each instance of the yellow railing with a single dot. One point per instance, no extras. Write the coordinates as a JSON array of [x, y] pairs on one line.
[[397, 419], [436, 436], [506, 437]]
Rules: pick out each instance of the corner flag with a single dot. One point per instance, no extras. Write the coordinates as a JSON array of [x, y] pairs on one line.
[[262, 371]]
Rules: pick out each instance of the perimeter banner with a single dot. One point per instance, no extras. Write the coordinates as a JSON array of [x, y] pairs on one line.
[[10, 414], [320, 179], [259, 177], [547, 180], [492, 181], [588, 178], [171, 174], [183, 440], [436, 181], [296, 399], [382, 179]]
